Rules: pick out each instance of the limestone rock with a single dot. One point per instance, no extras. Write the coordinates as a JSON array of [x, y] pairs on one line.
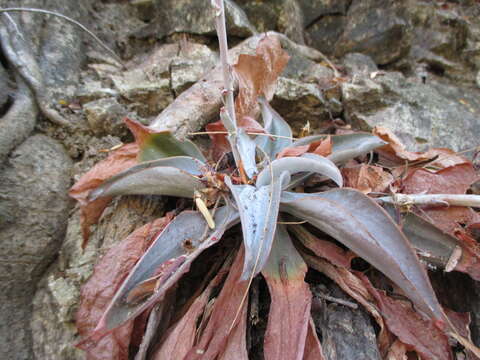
[[422, 115], [300, 96], [378, 28], [57, 298], [192, 62], [34, 210], [105, 116], [93, 90], [194, 17]]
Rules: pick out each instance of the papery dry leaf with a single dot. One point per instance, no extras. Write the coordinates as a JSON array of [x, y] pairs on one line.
[[470, 260], [409, 326], [398, 351], [367, 178], [396, 153], [108, 275], [257, 75], [452, 180], [323, 248], [118, 161], [313, 348], [180, 338], [221, 323], [322, 147]]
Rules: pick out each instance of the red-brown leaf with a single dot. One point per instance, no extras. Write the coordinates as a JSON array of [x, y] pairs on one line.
[[181, 336], [96, 294], [227, 306], [367, 178], [118, 161], [396, 153], [313, 348], [291, 300], [257, 75], [410, 327], [321, 147], [452, 180]]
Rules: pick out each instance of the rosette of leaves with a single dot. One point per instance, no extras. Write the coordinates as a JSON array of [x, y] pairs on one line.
[[256, 194]]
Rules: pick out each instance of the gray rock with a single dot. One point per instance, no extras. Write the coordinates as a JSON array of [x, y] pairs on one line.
[[313, 10], [33, 189], [56, 301], [422, 115], [347, 334], [300, 95], [5, 87], [105, 117], [359, 64], [478, 79], [378, 28], [93, 90], [191, 64], [194, 17], [325, 32]]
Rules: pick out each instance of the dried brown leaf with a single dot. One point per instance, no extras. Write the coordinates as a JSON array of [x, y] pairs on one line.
[[108, 275], [313, 348], [410, 327], [396, 153], [367, 178], [257, 75], [216, 335]]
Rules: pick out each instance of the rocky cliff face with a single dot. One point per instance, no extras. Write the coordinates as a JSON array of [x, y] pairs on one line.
[[413, 66]]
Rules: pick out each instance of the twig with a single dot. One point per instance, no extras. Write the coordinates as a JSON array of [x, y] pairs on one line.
[[346, 303], [70, 20], [432, 199], [249, 133]]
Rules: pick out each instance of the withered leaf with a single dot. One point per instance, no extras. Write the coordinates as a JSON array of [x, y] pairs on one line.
[[107, 277]]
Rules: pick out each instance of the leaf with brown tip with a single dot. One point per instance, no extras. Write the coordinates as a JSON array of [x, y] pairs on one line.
[[362, 225], [90, 211]]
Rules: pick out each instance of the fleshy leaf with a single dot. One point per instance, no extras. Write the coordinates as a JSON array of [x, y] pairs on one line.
[[291, 299], [169, 247], [164, 179], [308, 162], [273, 124], [247, 148], [108, 275], [258, 209], [223, 318], [163, 144], [359, 223], [346, 147], [118, 161]]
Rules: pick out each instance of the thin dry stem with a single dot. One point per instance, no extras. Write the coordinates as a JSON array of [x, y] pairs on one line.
[[432, 199]]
